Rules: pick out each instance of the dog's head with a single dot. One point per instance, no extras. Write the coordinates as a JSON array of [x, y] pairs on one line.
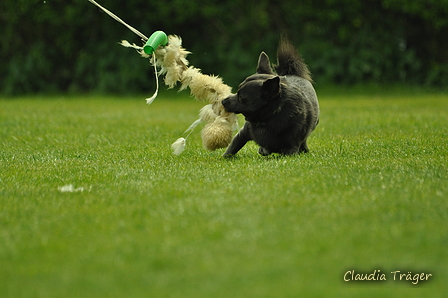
[[255, 91]]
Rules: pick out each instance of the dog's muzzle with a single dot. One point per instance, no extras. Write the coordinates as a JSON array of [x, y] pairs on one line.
[[225, 102], [230, 104]]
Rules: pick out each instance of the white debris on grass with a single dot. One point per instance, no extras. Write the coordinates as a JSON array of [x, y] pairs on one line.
[[72, 188]]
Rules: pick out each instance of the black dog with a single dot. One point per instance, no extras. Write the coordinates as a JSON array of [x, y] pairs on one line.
[[281, 110]]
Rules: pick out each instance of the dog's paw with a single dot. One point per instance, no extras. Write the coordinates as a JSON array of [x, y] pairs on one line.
[[263, 151]]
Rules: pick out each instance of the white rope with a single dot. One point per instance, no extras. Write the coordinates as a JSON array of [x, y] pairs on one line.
[[151, 99], [115, 17]]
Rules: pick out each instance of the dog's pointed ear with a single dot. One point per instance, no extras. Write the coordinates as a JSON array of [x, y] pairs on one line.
[[264, 66], [271, 87]]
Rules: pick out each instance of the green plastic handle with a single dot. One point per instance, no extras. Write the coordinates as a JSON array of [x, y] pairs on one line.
[[155, 40]]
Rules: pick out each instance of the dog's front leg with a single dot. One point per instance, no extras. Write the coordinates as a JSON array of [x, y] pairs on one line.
[[240, 139]]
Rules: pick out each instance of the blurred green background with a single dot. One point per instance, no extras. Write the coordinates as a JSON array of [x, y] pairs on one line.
[[71, 46]]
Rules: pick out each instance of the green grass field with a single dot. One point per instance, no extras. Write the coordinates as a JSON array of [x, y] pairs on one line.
[[133, 220]]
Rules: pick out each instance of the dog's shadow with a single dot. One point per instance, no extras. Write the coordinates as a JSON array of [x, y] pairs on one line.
[[259, 157]]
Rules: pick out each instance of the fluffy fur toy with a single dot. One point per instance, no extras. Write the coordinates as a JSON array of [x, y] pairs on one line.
[[220, 124]]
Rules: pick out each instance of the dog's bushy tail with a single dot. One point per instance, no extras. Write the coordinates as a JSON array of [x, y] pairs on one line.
[[290, 62]]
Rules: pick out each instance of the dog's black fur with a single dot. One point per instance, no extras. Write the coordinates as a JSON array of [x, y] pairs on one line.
[[281, 110]]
